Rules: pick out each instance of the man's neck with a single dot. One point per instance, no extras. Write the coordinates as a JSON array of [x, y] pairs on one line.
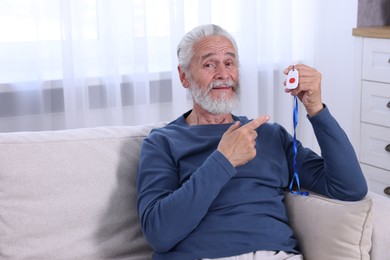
[[203, 117]]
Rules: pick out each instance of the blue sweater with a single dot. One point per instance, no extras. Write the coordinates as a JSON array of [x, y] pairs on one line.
[[194, 204]]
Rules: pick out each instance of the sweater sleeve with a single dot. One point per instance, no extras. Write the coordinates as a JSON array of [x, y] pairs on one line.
[[169, 211], [336, 173]]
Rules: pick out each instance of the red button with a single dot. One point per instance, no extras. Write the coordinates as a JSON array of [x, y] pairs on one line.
[[292, 80]]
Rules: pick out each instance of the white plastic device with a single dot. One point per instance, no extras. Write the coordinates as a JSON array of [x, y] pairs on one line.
[[292, 79]]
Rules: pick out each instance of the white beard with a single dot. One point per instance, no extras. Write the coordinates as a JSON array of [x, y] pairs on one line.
[[219, 105]]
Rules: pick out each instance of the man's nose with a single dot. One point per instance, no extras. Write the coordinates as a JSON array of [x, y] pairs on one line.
[[222, 72]]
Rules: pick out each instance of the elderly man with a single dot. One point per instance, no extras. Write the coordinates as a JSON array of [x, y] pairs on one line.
[[212, 184]]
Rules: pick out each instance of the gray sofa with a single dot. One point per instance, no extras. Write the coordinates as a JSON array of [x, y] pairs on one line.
[[70, 194]]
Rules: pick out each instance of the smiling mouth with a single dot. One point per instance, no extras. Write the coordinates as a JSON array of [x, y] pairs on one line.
[[223, 87]]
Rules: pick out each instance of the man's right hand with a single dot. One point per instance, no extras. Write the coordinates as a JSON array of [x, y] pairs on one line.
[[238, 143]]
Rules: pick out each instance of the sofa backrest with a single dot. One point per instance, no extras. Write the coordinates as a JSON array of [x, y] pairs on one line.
[[71, 194]]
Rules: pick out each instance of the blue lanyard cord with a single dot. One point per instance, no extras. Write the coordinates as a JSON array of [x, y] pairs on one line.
[[295, 150]]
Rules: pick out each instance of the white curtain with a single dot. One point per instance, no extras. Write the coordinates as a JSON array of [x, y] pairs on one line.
[[83, 63]]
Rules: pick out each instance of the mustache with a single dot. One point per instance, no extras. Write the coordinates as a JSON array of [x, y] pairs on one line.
[[219, 83]]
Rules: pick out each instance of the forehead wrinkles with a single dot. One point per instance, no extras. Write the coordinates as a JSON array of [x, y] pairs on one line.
[[215, 45]]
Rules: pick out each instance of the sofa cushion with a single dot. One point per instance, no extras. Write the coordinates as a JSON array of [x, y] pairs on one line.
[[71, 194], [381, 231], [329, 229]]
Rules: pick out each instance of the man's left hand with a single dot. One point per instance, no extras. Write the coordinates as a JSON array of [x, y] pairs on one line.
[[309, 88]]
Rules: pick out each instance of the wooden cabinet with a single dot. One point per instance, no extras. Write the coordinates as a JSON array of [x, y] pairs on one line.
[[373, 72]]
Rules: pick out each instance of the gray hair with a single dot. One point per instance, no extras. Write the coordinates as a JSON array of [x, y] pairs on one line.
[[185, 47]]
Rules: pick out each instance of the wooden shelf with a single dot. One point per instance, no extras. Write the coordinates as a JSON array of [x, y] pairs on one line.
[[372, 32]]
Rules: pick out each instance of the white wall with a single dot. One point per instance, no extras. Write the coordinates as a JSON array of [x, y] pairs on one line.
[[334, 50]]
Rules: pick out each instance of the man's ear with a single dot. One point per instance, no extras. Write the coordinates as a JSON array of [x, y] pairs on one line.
[[183, 77]]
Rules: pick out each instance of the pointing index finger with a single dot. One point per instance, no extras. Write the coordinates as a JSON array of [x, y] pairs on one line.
[[257, 122]]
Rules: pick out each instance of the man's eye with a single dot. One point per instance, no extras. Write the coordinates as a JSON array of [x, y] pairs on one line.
[[229, 64], [209, 66]]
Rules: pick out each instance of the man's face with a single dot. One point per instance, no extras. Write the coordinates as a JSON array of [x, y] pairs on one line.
[[214, 75]]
